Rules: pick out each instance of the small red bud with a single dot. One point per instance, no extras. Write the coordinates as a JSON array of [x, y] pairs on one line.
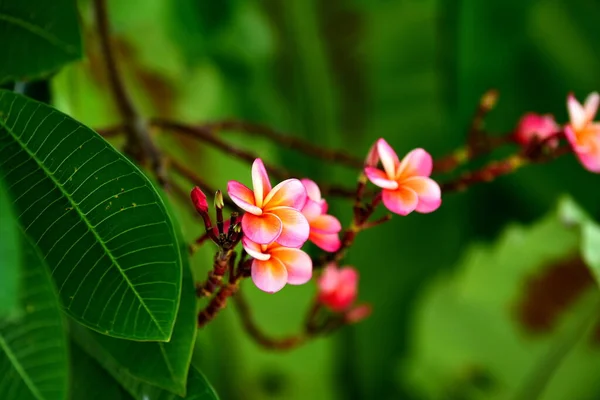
[[357, 313], [199, 200]]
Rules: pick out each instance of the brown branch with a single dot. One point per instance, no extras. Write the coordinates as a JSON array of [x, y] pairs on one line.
[[291, 142], [139, 143], [284, 343], [207, 136]]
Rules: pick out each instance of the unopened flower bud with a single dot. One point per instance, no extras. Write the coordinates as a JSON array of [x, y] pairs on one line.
[[357, 313], [337, 287], [199, 200], [539, 127], [219, 203]]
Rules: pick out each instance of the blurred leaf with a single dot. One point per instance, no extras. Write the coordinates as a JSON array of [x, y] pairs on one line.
[[571, 213], [38, 37], [90, 381], [33, 348], [162, 364], [9, 254], [98, 221], [514, 320]]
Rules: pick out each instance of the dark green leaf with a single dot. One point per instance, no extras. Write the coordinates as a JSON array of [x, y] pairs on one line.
[[90, 381], [9, 254], [98, 221], [162, 364], [33, 348], [37, 37]]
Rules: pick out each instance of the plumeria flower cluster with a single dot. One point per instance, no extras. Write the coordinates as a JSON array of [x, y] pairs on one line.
[[582, 132], [276, 224]]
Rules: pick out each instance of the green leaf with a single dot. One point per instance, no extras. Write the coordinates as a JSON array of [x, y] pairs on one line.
[[161, 364], [198, 388], [9, 254], [33, 349], [37, 36], [516, 320], [97, 220], [573, 214], [90, 381]]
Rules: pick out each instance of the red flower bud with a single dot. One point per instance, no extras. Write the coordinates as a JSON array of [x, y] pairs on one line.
[[199, 200]]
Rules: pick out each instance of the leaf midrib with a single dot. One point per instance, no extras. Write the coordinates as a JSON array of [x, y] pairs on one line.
[[87, 222], [38, 31], [17, 365]]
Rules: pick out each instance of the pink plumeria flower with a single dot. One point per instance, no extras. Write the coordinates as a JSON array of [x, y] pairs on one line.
[[406, 185], [337, 287], [583, 133], [324, 228], [272, 214], [275, 265], [534, 126]]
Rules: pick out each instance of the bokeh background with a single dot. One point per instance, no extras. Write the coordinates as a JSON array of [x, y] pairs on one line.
[[445, 288]]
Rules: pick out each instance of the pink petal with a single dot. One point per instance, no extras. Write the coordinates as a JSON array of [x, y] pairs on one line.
[[343, 294], [591, 159], [325, 224], [380, 178], [402, 201], [260, 181], [243, 197], [533, 125], [329, 278], [289, 193], [327, 241], [324, 207], [270, 275], [591, 106], [298, 264], [372, 156], [577, 114], [312, 189], [389, 158], [572, 138], [295, 229], [311, 210], [428, 191], [254, 249], [262, 229], [418, 162]]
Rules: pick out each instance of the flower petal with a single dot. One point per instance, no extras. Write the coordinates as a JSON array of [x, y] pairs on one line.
[[577, 114], [327, 241], [262, 229], [312, 189], [418, 162], [260, 182], [573, 139], [243, 197], [591, 159], [428, 191], [289, 193], [380, 178], [270, 275], [311, 210], [295, 229], [389, 158], [325, 224], [254, 249], [297, 263], [591, 106], [402, 201]]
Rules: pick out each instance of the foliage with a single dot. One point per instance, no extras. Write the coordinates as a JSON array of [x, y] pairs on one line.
[[85, 229]]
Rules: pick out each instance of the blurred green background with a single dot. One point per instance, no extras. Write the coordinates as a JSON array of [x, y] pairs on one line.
[[343, 73]]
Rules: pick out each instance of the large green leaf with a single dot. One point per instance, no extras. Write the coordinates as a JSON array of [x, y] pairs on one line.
[[90, 381], [164, 365], [9, 254], [33, 348], [98, 221], [517, 320], [37, 36], [198, 388]]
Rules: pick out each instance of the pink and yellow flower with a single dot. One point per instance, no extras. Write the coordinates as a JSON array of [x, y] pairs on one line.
[[324, 228], [275, 265], [406, 185], [532, 126], [272, 214], [582, 132], [337, 287]]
